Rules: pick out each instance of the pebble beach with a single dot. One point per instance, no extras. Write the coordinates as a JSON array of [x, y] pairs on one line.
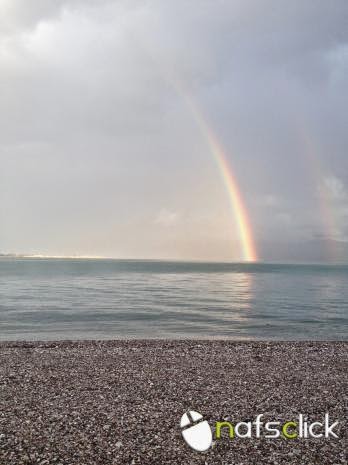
[[120, 402]]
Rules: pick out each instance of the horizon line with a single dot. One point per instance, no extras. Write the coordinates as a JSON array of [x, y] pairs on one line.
[[174, 260]]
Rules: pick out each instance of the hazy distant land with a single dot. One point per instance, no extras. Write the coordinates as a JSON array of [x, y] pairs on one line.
[[312, 251]]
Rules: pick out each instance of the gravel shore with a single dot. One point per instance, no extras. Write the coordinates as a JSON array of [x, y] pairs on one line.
[[120, 402]]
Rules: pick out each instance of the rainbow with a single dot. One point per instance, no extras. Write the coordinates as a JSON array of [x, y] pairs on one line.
[[236, 201], [317, 172]]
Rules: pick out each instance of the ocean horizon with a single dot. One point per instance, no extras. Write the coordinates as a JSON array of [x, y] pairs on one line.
[[85, 298]]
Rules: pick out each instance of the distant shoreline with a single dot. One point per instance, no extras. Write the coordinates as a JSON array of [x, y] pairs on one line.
[[169, 260]]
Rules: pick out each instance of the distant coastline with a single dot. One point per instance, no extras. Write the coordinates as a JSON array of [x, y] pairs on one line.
[[87, 257], [38, 256]]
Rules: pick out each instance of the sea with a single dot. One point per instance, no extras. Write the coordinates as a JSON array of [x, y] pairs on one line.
[[79, 299]]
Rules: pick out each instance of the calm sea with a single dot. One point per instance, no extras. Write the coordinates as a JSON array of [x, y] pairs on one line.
[[50, 299]]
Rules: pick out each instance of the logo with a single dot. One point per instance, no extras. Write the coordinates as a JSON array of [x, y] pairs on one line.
[[196, 431]]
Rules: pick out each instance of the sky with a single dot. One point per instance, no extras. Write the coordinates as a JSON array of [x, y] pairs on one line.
[[101, 155]]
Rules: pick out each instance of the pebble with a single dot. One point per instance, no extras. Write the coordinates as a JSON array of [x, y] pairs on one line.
[[120, 402]]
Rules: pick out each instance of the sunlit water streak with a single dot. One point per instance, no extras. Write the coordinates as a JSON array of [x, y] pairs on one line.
[[103, 299]]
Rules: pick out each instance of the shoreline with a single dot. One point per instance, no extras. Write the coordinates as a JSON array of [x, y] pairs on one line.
[[32, 343], [120, 401], [169, 340]]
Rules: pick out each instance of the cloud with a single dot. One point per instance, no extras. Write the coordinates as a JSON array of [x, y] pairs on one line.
[[166, 217], [96, 138], [268, 201], [335, 188]]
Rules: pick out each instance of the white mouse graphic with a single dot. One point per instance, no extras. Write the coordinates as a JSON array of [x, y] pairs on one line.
[[196, 432]]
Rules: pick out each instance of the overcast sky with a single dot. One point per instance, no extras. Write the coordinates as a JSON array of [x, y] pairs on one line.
[[100, 155]]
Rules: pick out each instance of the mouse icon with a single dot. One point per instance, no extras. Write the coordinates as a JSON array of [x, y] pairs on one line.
[[196, 431]]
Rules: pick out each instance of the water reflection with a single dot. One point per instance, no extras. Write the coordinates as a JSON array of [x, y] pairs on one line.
[[231, 296], [81, 300]]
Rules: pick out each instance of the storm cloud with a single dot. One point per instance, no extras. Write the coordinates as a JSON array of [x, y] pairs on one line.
[[100, 154]]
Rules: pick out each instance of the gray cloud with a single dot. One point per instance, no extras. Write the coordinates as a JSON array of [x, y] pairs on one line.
[[96, 142]]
